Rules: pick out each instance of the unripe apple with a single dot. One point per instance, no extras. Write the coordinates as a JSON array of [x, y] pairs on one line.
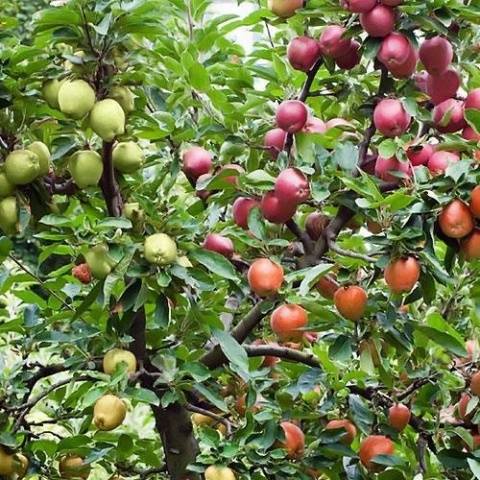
[[303, 52], [358, 6], [292, 186], [276, 209], [436, 54], [160, 249], [8, 215], [350, 59], [86, 168], [287, 321], [473, 99], [384, 167], [399, 416], [390, 117], [448, 116], [20, 465], [109, 412], [6, 462], [275, 140], [284, 8], [314, 125], [443, 86], [117, 356], [196, 161], [22, 167], [99, 262], [215, 472], [73, 466], [50, 91], [291, 115], [6, 186], [124, 97], [439, 161], [378, 22], [76, 98], [220, 244], [332, 42], [265, 277], [43, 154], [373, 446], [420, 154], [315, 224], [241, 209], [107, 119], [127, 157], [82, 273]]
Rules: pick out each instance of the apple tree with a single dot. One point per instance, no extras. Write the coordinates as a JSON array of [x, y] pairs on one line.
[[241, 245]]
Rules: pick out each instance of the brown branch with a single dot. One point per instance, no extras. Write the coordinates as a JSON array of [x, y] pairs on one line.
[[108, 183], [208, 413], [348, 253], [282, 352], [301, 235], [215, 357]]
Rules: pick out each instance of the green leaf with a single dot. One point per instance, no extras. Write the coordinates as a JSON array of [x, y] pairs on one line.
[[443, 339], [311, 277], [346, 156], [215, 262], [233, 351], [199, 78]]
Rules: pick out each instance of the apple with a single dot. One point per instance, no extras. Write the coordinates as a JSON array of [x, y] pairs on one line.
[[420, 154], [109, 412], [287, 321], [127, 157], [378, 22], [332, 42], [86, 168], [276, 209], [315, 224], [107, 119], [220, 244], [76, 98], [448, 116], [303, 52], [284, 8], [436, 54], [124, 97], [399, 416], [160, 249], [398, 55], [215, 472], [373, 446], [439, 161], [470, 134], [117, 356], [350, 431], [475, 383], [22, 167], [6, 186], [241, 209], [390, 117], [99, 261], [470, 246], [43, 154], [232, 179], [402, 274], [291, 116], [50, 90], [82, 273], [8, 215], [202, 192], [358, 6], [294, 442], [73, 466], [385, 166], [351, 302], [196, 161], [265, 277], [274, 140], [443, 86], [473, 99], [420, 80], [6, 462], [350, 59], [456, 219], [314, 125], [291, 186]]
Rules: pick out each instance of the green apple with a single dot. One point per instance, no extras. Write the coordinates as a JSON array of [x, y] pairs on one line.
[[127, 157], [99, 262], [124, 97], [76, 98], [107, 119], [50, 91], [22, 167], [6, 186], [160, 249], [43, 154], [86, 168], [8, 215]]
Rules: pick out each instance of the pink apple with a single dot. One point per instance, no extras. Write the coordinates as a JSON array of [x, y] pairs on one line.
[[303, 52], [385, 166], [314, 125], [420, 154], [277, 210], [440, 160], [473, 99], [390, 117], [436, 54], [350, 59], [332, 41], [448, 116], [291, 186], [275, 141], [291, 115], [443, 86], [220, 244], [241, 208], [196, 161], [378, 22], [358, 6]]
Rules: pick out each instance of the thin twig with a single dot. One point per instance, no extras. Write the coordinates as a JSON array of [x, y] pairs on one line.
[[208, 413], [348, 253]]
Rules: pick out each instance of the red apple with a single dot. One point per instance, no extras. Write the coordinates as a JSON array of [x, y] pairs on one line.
[[196, 161], [398, 55], [420, 79], [390, 117], [473, 99], [314, 125], [436, 54], [350, 59], [332, 41], [443, 86], [291, 115], [275, 140], [439, 161], [358, 6], [448, 116], [303, 52], [470, 134], [315, 224], [420, 154], [220, 244], [378, 22], [384, 167], [277, 210], [232, 179], [240, 210], [203, 194], [291, 186]]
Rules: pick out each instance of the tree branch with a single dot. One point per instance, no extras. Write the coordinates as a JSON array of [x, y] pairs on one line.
[[348, 253], [301, 235], [282, 352], [108, 183], [208, 413]]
